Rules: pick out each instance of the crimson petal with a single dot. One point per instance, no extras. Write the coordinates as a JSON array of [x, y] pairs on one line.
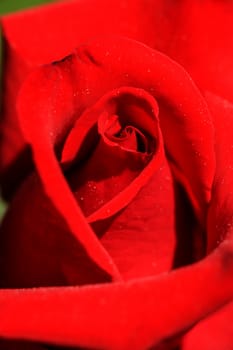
[[132, 315]]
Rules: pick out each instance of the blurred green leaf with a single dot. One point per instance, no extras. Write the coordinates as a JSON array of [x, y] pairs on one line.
[[3, 208], [14, 5]]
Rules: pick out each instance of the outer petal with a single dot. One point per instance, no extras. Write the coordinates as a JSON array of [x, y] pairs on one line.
[[202, 43], [215, 332], [53, 114], [37, 248], [133, 315], [220, 220]]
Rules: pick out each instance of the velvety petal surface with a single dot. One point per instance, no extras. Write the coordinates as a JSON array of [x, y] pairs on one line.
[[144, 312], [81, 79], [202, 43], [220, 227], [184, 110], [37, 247], [115, 147], [186, 31], [213, 333]]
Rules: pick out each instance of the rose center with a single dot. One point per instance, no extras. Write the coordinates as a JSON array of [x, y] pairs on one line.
[[127, 137], [110, 145]]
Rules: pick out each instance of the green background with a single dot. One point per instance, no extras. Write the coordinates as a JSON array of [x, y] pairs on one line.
[[7, 6], [14, 5]]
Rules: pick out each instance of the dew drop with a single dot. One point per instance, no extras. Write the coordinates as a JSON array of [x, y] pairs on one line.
[[197, 153], [87, 91]]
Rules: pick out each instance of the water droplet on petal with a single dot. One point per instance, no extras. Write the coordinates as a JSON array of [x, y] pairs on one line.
[[87, 91]]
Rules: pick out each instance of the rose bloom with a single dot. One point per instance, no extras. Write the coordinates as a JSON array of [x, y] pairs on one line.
[[116, 160]]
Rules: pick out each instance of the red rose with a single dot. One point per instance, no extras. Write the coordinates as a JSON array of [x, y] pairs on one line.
[[130, 197]]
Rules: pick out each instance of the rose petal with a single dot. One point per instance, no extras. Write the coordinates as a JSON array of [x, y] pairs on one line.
[[133, 315], [146, 238], [37, 248], [221, 209], [213, 333], [220, 224], [202, 47], [59, 112]]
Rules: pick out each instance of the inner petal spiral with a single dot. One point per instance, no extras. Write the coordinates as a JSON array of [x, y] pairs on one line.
[[110, 145], [128, 137]]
